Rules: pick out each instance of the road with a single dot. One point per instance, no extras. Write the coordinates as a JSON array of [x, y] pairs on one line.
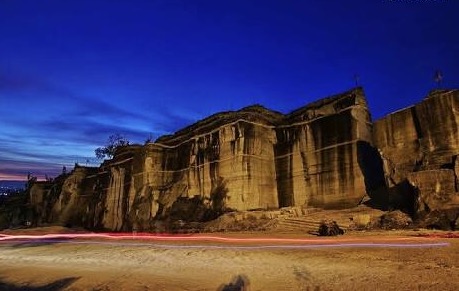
[[257, 261]]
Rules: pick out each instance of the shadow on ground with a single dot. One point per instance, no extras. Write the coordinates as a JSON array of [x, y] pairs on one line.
[[53, 286], [239, 283]]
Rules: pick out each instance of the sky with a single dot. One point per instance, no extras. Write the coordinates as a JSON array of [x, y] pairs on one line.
[[74, 72]]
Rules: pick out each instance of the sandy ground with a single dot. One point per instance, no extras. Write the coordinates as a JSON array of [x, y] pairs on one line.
[[100, 264]]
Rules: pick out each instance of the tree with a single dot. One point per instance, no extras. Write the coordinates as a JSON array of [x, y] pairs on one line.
[[31, 179], [114, 141]]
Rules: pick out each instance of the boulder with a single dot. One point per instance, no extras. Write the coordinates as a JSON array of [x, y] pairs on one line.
[[360, 221], [395, 220], [445, 219], [435, 190]]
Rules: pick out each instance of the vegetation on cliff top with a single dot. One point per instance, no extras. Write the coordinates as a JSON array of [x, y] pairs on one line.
[[108, 151]]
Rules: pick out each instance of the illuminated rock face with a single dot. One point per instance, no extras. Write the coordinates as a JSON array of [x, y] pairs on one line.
[[65, 199], [39, 199], [421, 137], [318, 151], [231, 165], [326, 154], [436, 190], [236, 158], [250, 159], [419, 145]]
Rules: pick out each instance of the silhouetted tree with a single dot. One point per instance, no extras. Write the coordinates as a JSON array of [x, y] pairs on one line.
[[108, 151], [149, 139], [31, 179]]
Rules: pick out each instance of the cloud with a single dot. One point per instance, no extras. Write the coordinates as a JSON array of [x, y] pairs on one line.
[[13, 82], [52, 126], [18, 170], [42, 91]]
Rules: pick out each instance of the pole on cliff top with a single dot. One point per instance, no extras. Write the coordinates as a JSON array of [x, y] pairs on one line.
[[438, 77], [357, 79]]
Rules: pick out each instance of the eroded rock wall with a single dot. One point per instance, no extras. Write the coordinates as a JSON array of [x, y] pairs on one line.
[[419, 145], [236, 159], [231, 167], [39, 199], [65, 199], [421, 137], [319, 150], [436, 190], [327, 154]]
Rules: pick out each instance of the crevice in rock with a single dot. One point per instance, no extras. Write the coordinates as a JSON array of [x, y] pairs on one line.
[[417, 123], [371, 165]]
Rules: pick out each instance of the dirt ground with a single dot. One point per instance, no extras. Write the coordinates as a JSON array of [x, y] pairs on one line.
[[409, 263]]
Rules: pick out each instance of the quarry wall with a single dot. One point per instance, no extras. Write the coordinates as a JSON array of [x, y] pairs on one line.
[[318, 149], [419, 147], [421, 137], [327, 154]]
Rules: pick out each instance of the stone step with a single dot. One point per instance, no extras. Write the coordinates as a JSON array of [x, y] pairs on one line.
[[313, 222], [317, 221], [298, 229], [303, 224], [302, 229], [298, 222], [298, 226]]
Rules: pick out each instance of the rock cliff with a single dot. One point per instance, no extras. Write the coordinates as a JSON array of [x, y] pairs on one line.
[[419, 146], [421, 137], [318, 151], [327, 154]]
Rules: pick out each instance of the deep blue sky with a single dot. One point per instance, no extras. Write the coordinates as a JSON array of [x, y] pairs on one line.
[[74, 72]]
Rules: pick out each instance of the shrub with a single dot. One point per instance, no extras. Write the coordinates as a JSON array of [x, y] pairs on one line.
[[330, 228]]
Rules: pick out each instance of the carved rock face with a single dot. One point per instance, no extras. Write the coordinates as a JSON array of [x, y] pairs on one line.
[[319, 153], [327, 154], [421, 137], [420, 145]]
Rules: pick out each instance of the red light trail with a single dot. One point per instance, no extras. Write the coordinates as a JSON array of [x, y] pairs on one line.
[[235, 242]]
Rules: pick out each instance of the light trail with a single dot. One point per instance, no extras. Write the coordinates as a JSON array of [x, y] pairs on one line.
[[167, 237], [263, 243], [258, 247]]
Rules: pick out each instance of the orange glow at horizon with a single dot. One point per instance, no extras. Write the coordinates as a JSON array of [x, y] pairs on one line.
[[12, 177], [17, 177]]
